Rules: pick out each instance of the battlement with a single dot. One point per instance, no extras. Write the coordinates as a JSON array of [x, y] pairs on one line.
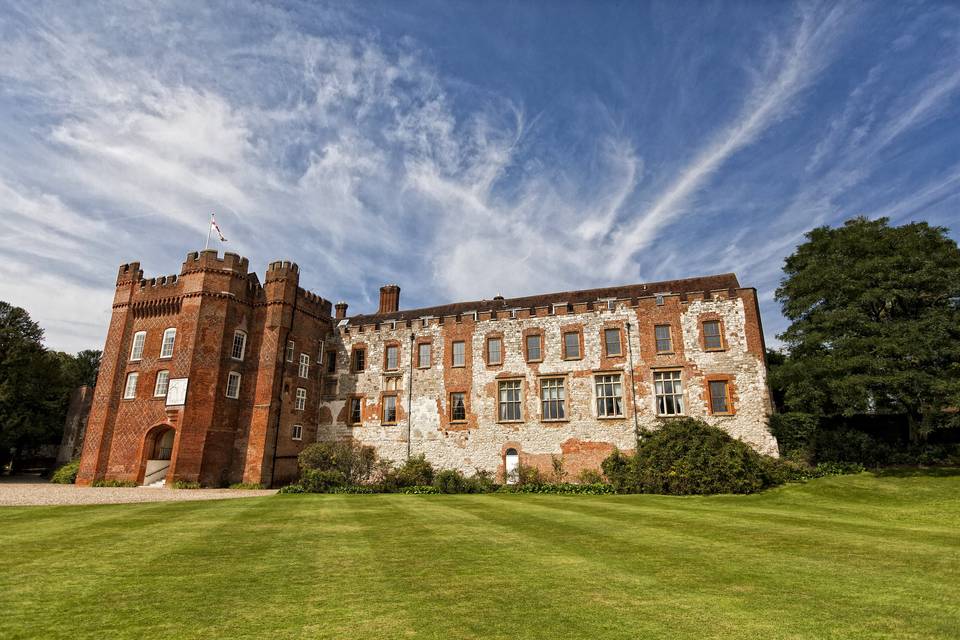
[[129, 273], [210, 259], [314, 303], [161, 281], [281, 269]]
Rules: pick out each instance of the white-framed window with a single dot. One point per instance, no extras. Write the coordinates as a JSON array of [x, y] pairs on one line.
[[130, 389], [494, 350], [389, 409], [290, 347], [163, 382], [239, 345], [166, 347], [423, 355], [611, 342], [509, 400], [609, 396], [301, 400], [297, 432], [320, 355], [233, 385], [668, 389], [392, 357], [136, 351], [304, 371], [663, 337], [552, 398], [459, 353]]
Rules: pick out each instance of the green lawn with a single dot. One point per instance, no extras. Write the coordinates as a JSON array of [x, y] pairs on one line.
[[845, 557]]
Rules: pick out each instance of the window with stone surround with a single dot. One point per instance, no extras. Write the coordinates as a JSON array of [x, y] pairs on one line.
[[389, 409], [355, 416], [330, 388], [291, 346], [300, 402], [162, 384], [297, 432], [136, 351], [458, 406], [391, 357], [358, 359], [423, 355], [712, 335], [304, 370], [611, 343], [239, 347], [664, 338], [494, 350], [668, 390], [553, 398], [166, 347], [534, 345], [331, 361], [609, 395], [130, 389], [509, 401], [571, 345], [458, 353], [233, 385], [720, 403]]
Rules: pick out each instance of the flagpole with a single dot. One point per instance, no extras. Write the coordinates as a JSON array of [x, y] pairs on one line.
[[209, 229]]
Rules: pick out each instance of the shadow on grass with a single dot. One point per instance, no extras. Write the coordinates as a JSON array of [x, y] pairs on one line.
[[917, 472]]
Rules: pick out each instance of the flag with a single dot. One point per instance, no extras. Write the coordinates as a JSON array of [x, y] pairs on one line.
[[213, 223]]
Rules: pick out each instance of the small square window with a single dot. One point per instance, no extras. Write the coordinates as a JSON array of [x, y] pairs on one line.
[[389, 409], [301, 399], [392, 357], [130, 389], [494, 350], [423, 355], [136, 351], [239, 345], [355, 416], [534, 348], [163, 382], [571, 345], [297, 433], [459, 354], [712, 337], [611, 342], [233, 385], [458, 407], [166, 347], [304, 371], [663, 338]]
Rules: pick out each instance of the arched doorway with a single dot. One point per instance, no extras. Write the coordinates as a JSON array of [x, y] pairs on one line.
[[511, 466], [158, 450]]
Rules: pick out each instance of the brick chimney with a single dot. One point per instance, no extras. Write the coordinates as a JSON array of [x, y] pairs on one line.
[[341, 308], [389, 298]]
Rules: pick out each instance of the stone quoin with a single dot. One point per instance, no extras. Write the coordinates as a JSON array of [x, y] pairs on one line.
[[211, 376]]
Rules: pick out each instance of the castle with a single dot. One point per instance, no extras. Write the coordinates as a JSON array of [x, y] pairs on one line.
[[211, 376]]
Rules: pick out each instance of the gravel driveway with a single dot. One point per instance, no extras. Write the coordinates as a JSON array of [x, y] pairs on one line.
[[22, 491]]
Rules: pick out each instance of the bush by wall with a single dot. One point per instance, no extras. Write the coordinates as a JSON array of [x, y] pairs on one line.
[[185, 484], [113, 483], [795, 433], [67, 474], [354, 462]]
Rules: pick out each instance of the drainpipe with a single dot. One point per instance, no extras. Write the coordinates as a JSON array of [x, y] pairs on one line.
[[410, 395], [633, 389], [283, 374]]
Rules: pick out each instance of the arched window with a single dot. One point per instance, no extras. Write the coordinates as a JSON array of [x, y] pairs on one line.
[[512, 466]]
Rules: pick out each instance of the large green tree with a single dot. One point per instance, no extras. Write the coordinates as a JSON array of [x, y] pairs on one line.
[[875, 314], [35, 384]]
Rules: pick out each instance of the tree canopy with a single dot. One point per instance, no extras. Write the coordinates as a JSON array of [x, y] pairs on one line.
[[875, 313]]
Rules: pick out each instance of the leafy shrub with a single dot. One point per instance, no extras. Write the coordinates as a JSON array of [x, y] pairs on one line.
[[558, 473], [451, 481], [416, 471], [113, 483], [292, 488], [321, 480], [559, 488], [528, 475], [67, 474], [482, 481], [353, 461], [795, 433], [849, 445], [616, 468], [419, 489], [247, 486], [184, 484], [353, 488], [687, 456], [590, 476]]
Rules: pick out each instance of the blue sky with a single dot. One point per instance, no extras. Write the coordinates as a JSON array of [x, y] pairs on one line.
[[460, 149]]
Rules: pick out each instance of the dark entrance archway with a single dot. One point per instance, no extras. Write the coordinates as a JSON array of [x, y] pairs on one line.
[[157, 455]]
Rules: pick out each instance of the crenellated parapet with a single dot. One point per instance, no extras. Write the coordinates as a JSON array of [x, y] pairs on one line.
[[129, 273], [210, 260]]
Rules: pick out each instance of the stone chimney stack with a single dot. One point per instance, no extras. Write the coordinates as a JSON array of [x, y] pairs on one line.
[[341, 308], [389, 298]]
